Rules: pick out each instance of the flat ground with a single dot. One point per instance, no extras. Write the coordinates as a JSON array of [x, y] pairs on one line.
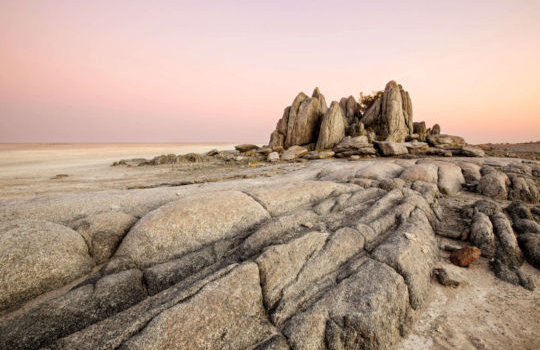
[[528, 150], [482, 313]]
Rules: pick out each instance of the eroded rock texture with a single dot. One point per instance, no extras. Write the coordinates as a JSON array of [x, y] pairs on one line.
[[337, 255]]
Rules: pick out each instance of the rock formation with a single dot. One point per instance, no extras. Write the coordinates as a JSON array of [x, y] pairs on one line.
[[391, 115], [307, 122], [300, 122]]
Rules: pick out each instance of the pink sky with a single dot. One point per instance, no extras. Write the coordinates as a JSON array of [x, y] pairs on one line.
[[187, 71]]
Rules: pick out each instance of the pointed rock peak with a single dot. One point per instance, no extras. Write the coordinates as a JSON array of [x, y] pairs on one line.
[[316, 93], [391, 85], [334, 105], [301, 96]]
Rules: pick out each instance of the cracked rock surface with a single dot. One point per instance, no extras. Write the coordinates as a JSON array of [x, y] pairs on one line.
[[332, 255]]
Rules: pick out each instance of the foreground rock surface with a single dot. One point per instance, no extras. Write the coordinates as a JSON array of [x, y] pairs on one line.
[[331, 254]]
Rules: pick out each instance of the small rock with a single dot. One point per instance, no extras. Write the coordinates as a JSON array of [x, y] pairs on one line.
[[246, 147], [212, 153], [354, 157], [470, 151], [294, 152], [264, 150], [62, 176], [449, 140], [465, 256], [444, 279], [388, 148], [273, 157]]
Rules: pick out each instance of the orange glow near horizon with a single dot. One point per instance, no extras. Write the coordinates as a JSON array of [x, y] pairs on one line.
[[223, 71]]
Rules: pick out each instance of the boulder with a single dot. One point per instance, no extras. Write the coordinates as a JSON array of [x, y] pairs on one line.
[[273, 157], [390, 116], [42, 324], [36, 257], [188, 224], [350, 109], [280, 264], [389, 148], [212, 152], [471, 172], [319, 155], [103, 232], [508, 252], [358, 145], [380, 171], [445, 140], [416, 147], [436, 130], [246, 147], [470, 151], [426, 172], [530, 244], [450, 178], [523, 188], [294, 152], [371, 317], [481, 234], [332, 129], [494, 184], [304, 119], [526, 226], [412, 251], [420, 129], [518, 210], [226, 313], [190, 158], [265, 150]]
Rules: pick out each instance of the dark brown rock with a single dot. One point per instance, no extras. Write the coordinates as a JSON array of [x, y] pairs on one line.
[[465, 256]]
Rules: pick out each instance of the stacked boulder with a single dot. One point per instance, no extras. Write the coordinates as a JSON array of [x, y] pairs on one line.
[[387, 126], [300, 122]]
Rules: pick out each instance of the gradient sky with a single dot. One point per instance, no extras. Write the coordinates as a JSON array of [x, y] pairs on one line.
[[186, 71]]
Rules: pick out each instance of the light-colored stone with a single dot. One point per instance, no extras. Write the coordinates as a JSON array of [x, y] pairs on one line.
[[279, 199], [494, 185], [304, 126], [389, 148], [227, 313], [332, 129], [450, 178], [273, 157], [279, 265], [380, 171], [294, 152], [103, 232], [371, 317], [36, 257], [426, 172], [471, 151], [391, 115], [188, 224]]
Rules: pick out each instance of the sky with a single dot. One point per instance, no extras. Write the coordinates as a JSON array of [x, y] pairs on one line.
[[223, 71]]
